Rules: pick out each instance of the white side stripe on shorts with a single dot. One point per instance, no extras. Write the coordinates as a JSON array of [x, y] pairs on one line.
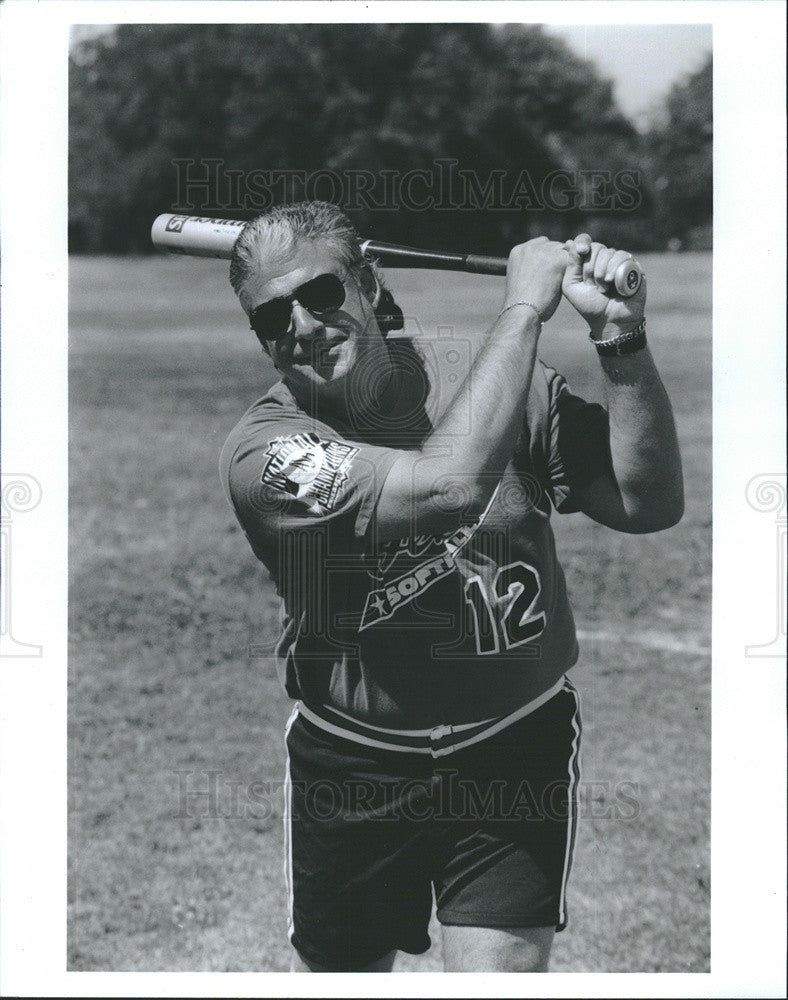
[[287, 817], [574, 780]]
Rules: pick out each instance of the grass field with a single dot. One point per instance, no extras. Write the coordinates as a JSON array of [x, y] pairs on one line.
[[165, 599]]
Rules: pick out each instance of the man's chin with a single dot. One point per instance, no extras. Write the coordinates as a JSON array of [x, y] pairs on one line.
[[311, 388], [319, 375]]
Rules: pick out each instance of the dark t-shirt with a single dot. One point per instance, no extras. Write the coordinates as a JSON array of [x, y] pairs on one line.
[[424, 636]]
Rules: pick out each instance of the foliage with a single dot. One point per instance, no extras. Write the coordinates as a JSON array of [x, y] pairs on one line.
[[504, 105], [680, 152]]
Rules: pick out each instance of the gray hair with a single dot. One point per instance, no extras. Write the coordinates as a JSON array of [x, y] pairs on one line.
[[280, 228]]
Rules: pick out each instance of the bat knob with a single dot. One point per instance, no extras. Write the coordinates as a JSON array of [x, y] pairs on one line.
[[628, 277]]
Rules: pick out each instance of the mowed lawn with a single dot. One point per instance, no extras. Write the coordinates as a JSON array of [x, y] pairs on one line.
[[166, 601]]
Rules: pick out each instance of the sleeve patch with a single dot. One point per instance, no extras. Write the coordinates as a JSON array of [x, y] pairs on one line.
[[309, 469]]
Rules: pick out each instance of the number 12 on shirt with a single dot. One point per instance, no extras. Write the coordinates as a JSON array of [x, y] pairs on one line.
[[505, 616]]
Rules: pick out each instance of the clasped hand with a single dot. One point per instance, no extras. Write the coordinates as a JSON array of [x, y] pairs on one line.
[[540, 270]]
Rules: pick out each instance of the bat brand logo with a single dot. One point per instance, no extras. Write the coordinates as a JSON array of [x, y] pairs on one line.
[[632, 278], [309, 469], [176, 223]]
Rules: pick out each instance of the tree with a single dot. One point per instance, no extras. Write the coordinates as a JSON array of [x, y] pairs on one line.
[[680, 147], [483, 101]]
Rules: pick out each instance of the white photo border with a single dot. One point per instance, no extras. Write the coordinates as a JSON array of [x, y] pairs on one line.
[[749, 696]]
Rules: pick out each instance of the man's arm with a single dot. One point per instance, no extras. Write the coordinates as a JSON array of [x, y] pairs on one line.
[[457, 468], [643, 490]]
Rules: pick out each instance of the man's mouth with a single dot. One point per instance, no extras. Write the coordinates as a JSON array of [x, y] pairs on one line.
[[321, 352]]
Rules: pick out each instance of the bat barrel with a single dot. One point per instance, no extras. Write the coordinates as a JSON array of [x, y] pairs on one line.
[[196, 235]]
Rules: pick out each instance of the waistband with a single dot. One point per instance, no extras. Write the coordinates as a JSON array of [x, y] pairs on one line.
[[437, 742]]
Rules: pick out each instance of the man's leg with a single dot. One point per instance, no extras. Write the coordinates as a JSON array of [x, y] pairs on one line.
[[506, 858], [385, 964], [492, 949], [355, 856]]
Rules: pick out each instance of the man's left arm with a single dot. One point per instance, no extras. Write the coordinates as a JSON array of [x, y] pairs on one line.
[[642, 490]]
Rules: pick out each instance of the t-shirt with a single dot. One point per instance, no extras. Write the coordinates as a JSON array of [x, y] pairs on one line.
[[427, 642]]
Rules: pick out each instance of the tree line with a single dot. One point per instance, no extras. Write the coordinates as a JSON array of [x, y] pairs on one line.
[[460, 135]]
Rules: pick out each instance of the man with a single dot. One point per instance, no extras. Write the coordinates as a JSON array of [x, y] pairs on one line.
[[427, 631]]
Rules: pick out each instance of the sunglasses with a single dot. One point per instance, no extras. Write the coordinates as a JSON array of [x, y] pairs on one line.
[[321, 295]]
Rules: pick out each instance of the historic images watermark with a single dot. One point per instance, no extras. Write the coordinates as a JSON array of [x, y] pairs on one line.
[[20, 493], [767, 493], [211, 794], [210, 185]]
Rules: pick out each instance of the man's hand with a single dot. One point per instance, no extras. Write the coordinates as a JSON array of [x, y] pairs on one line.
[[588, 285], [534, 275]]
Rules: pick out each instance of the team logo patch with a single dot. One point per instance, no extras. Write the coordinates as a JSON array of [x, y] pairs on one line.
[[309, 469]]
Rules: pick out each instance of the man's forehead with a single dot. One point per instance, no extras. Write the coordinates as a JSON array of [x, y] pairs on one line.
[[279, 271]]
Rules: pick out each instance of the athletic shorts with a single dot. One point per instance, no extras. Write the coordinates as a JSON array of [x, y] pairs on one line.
[[371, 834]]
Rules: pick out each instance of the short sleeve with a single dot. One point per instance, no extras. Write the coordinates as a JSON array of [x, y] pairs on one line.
[[578, 443], [289, 473]]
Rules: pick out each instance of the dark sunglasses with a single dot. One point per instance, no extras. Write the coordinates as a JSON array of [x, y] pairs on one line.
[[321, 295]]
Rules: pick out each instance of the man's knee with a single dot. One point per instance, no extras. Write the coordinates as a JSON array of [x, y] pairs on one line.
[[299, 964], [488, 949]]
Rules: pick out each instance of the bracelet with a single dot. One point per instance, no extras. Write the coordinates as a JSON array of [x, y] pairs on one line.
[[520, 302], [624, 343]]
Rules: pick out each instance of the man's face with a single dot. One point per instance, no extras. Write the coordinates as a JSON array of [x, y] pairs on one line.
[[317, 353]]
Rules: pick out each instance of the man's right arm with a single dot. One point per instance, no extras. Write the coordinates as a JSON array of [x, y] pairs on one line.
[[457, 468]]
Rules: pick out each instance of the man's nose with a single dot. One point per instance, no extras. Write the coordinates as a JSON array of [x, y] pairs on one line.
[[305, 326]]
